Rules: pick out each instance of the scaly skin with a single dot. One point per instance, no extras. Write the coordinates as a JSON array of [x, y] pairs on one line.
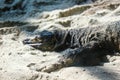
[[87, 45]]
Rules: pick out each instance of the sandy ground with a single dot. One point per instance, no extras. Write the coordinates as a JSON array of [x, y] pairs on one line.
[[22, 62]]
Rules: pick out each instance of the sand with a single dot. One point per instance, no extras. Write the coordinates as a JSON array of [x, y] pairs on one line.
[[22, 62]]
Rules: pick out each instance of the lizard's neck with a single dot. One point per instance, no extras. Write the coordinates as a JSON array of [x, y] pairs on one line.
[[62, 37]]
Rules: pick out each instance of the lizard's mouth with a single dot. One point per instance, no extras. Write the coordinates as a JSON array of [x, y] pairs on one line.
[[32, 42]]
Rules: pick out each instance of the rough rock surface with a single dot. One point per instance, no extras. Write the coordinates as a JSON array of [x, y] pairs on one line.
[[20, 19]]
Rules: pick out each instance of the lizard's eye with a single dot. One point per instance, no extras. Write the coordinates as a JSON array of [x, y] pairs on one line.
[[38, 39]]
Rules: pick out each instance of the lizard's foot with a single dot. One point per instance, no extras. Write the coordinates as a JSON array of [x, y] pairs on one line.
[[50, 67]]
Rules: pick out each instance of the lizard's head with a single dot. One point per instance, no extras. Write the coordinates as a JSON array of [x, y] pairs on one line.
[[45, 41]]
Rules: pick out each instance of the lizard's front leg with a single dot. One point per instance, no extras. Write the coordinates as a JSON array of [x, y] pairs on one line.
[[87, 55]]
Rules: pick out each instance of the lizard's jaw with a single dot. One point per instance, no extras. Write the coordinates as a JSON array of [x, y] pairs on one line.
[[32, 43]]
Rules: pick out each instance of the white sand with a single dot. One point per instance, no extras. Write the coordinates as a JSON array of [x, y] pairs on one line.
[[22, 62]]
